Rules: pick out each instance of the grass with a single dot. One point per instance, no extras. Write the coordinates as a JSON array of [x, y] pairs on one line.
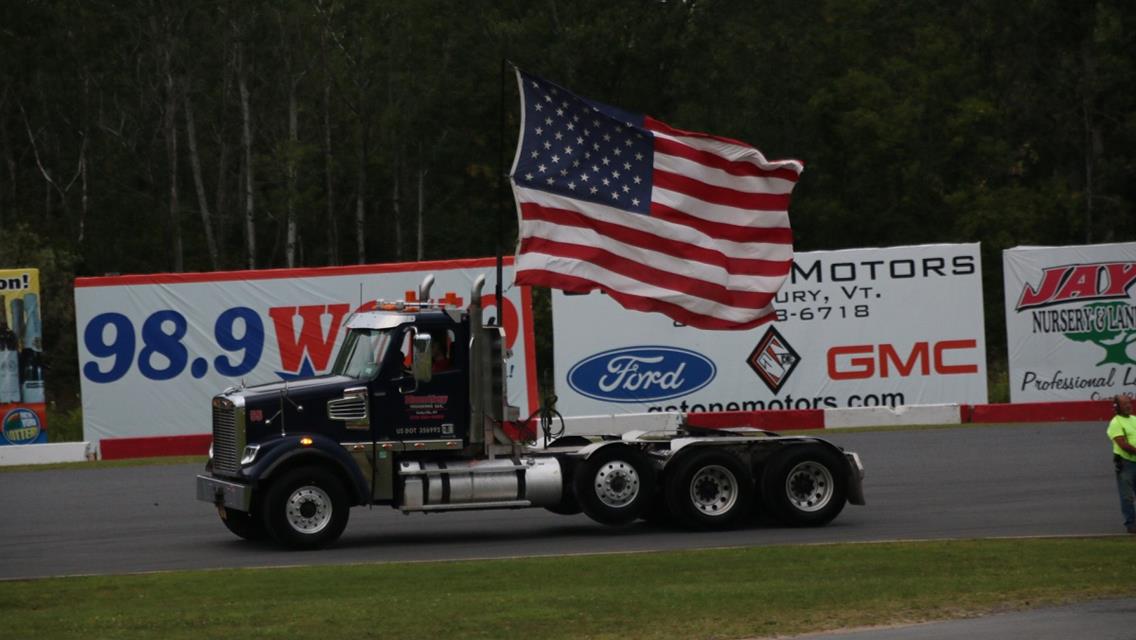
[[735, 593]]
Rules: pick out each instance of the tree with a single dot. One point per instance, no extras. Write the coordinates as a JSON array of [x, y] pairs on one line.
[[1108, 332]]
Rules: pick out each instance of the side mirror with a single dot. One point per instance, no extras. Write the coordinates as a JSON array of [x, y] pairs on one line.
[[421, 366]]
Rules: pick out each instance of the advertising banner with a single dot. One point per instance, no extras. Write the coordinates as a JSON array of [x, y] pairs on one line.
[[861, 327], [1071, 321], [22, 411], [153, 350]]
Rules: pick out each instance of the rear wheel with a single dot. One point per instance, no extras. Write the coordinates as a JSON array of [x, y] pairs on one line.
[[615, 485], [805, 485], [306, 508], [658, 513], [709, 489]]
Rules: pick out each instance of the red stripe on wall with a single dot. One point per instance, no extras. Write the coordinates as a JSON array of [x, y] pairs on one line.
[[275, 274], [785, 420], [528, 335], [155, 446], [1078, 411]]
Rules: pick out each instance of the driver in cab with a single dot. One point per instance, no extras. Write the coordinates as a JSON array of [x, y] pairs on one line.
[[439, 353]]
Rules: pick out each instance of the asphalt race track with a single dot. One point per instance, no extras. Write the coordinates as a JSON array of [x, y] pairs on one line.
[[967, 482]]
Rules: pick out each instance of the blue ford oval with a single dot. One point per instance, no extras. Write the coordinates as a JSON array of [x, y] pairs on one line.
[[641, 374]]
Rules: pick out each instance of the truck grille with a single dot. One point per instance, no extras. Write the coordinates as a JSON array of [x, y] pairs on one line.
[[228, 438]]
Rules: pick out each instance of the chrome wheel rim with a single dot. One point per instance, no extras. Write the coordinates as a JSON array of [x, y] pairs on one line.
[[809, 486], [308, 510], [714, 490], [617, 484]]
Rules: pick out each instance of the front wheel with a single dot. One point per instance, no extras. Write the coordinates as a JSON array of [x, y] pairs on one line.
[[805, 485], [306, 508], [615, 485], [244, 525], [709, 489]]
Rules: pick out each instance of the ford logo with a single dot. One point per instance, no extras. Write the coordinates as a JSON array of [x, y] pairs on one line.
[[641, 374]]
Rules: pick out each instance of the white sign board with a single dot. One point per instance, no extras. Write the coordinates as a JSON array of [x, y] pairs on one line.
[[1071, 321], [862, 327], [154, 349]]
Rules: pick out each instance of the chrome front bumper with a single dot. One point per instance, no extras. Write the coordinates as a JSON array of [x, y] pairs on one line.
[[222, 493]]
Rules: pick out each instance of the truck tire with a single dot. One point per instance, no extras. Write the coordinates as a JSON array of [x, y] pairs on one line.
[[658, 514], [245, 525], [709, 489], [805, 486], [615, 485], [568, 505], [306, 508]]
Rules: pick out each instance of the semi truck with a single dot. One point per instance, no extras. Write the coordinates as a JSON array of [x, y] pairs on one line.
[[414, 414]]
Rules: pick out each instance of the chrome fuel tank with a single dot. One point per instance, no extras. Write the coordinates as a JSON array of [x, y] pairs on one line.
[[475, 484]]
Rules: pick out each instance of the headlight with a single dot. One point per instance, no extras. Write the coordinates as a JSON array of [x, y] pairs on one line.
[[210, 450], [250, 454]]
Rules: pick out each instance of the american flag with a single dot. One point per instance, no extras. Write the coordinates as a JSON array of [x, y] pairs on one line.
[[690, 225]]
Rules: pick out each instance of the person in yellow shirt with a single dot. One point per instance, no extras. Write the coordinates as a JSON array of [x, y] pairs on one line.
[[1122, 432]]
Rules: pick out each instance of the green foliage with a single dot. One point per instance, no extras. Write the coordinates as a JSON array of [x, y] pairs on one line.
[[1001, 123], [998, 381], [64, 425]]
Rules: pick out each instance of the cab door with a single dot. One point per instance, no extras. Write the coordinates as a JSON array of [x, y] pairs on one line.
[[411, 410]]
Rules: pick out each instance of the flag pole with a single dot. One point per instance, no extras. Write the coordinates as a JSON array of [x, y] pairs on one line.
[[501, 192]]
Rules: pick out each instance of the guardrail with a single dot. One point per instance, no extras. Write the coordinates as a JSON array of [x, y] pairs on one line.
[[18, 454]]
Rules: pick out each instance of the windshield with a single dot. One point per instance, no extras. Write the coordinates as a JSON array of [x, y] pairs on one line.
[[362, 353]]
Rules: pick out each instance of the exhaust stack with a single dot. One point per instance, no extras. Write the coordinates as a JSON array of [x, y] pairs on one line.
[[424, 288]]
